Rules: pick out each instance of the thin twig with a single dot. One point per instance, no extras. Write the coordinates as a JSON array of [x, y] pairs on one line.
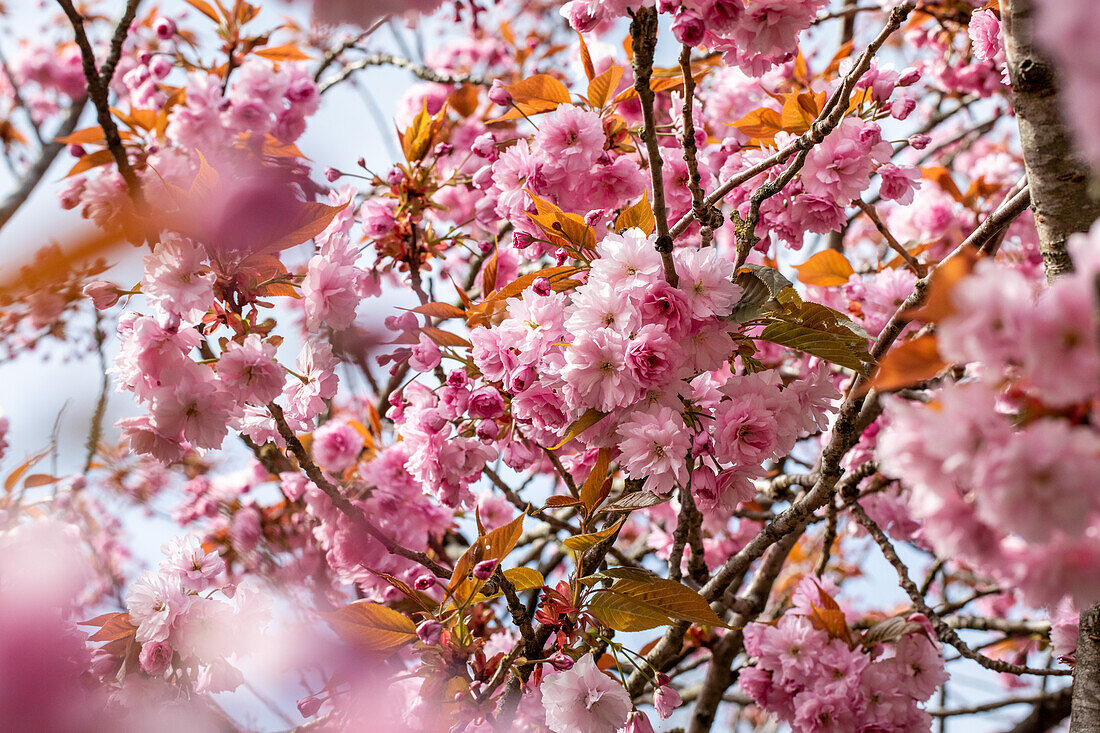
[[895, 245]]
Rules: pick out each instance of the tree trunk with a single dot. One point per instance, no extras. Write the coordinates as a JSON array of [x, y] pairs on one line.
[[1085, 712], [1058, 177]]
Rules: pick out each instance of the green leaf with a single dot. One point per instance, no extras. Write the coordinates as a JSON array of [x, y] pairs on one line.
[[760, 289], [671, 598], [820, 331], [624, 613]]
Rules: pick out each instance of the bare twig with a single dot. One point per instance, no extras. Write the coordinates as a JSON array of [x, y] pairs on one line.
[[418, 70]]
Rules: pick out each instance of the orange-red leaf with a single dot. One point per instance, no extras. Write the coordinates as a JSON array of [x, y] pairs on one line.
[[907, 364], [827, 268], [286, 52]]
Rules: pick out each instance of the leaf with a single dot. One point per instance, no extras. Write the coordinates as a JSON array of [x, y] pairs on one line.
[[829, 617], [891, 629], [39, 479], [417, 138], [942, 177], [603, 86], [672, 598], [820, 331], [635, 500], [582, 542], [440, 310], [522, 578], [286, 52], [112, 627], [444, 338], [534, 95], [311, 219], [760, 288], [826, 269], [907, 364], [87, 136], [624, 613], [586, 58], [560, 501], [22, 468], [584, 422], [205, 8], [593, 485], [489, 274], [799, 111], [372, 626], [945, 278], [207, 183], [639, 215], [492, 546], [90, 161], [762, 123]]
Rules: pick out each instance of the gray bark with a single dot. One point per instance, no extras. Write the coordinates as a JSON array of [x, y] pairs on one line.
[[1059, 178], [1085, 711]]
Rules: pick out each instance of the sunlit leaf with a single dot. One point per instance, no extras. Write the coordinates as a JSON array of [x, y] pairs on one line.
[[827, 268], [373, 626], [907, 364]]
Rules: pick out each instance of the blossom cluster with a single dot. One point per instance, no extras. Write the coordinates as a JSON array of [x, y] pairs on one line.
[[816, 680]]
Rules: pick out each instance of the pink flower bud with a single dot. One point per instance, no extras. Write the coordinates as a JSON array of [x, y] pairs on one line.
[[903, 107], [909, 77], [487, 430], [308, 706], [102, 293], [77, 151], [920, 142], [443, 149], [429, 632], [160, 67], [499, 95], [561, 661], [484, 569], [485, 146], [424, 582], [458, 378], [165, 28], [486, 247], [395, 176], [637, 722], [331, 174], [592, 218]]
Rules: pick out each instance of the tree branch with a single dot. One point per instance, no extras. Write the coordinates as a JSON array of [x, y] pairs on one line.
[[1058, 176]]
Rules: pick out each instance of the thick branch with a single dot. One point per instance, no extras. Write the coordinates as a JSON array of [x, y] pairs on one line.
[[1058, 177], [1086, 675]]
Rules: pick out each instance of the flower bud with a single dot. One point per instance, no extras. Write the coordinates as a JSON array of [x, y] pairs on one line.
[[903, 107], [499, 95], [909, 77], [920, 142], [308, 706], [443, 149], [331, 174], [561, 661], [395, 176], [165, 28], [485, 146], [424, 582], [541, 286], [429, 632], [484, 569], [77, 151], [102, 293], [486, 247], [592, 218], [487, 430]]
